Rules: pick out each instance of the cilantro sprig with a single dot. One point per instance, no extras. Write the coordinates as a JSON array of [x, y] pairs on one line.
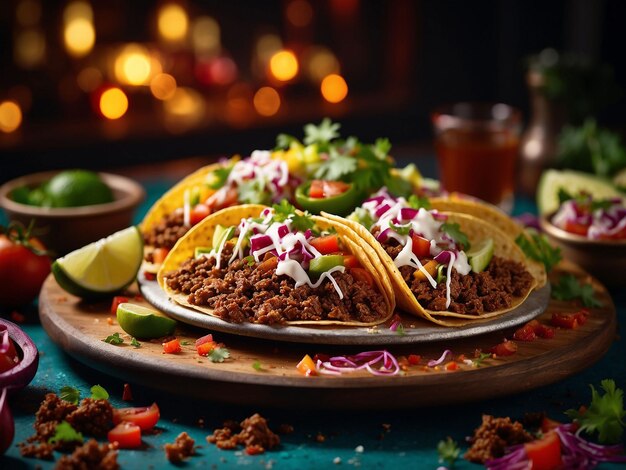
[[284, 210], [64, 432], [537, 247], [72, 394], [448, 451], [454, 230], [219, 354], [569, 288], [115, 338], [605, 415]]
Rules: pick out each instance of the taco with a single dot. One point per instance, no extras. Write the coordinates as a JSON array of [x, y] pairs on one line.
[[258, 179], [493, 215], [447, 267], [252, 263]]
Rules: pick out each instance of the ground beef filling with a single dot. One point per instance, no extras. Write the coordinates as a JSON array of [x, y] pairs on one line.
[[180, 449], [242, 293], [90, 455], [252, 432], [167, 232], [493, 436], [477, 293]]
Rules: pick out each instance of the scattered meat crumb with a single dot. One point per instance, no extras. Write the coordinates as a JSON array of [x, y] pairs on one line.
[[90, 455], [42, 451], [493, 436], [252, 433], [180, 449], [320, 437]]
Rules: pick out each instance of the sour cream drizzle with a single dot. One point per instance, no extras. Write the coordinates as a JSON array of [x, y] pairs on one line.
[[290, 248]]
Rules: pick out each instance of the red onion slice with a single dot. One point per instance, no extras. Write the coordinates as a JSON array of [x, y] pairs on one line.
[[21, 375]]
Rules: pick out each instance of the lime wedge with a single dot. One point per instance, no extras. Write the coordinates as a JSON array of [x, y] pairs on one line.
[[143, 322], [103, 267], [573, 182], [480, 255]]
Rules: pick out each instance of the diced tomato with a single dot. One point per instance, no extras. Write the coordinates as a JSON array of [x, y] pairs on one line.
[[574, 227], [230, 199], [306, 366], [172, 347], [569, 321], [204, 339], [421, 246], [505, 348], [414, 359], [127, 394], [430, 267], [322, 188], [254, 449], [127, 435], [145, 417], [326, 245], [205, 349], [451, 366], [149, 276], [316, 190], [581, 316], [268, 265], [525, 333], [362, 275], [351, 261], [544, 331], [159, 255], [545, 453], [118, 299], [198, 213], [548, 424]]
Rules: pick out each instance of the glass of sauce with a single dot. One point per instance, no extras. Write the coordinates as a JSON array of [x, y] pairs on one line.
[[477, 146]]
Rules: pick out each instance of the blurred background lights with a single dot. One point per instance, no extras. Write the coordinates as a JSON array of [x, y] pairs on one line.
[[10, 116], [334, 88], [89, 79], [320, 62], [79, 36], [113, 103], [299, 12], [267, 46], [77, 10], [284, 65], [163, 86], [185, 102], [205, 36], [173, 22], [28, 12], [29, 48], [133, 65], [266, 101]]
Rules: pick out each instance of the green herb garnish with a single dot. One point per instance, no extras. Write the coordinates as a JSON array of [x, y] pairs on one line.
[[219, 177], [99, 393], [185, 343], [363, 217], [249, 260], [605, 415], [135, 343], [448, 451], [70, 394], [400, 330], [400, 229], [537, 247], [417, 202], [256, 365], [219, 354], [454, 230], [478, 361], [64, 432], [569, 288], [115, 338], [322, 134]]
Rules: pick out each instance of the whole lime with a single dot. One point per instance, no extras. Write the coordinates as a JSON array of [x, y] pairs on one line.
[[72, 188]]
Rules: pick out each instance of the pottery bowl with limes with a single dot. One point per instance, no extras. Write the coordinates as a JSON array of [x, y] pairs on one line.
[[603, 259], [67, 225]]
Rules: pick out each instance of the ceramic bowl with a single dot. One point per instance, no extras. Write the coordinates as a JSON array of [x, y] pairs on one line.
[[603, 259], [66, 229]]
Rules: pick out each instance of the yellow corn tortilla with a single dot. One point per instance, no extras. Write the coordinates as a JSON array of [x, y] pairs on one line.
[[202, 235], [476, 230], [493, 216]]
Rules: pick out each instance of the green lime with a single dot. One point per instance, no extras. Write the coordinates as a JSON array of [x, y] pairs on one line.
[[480, 255], [74, 188], [20, 194], [573, 182], [103, 267], [39, 197], [143, 322]]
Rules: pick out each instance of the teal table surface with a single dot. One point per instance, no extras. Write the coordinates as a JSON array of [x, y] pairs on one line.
[[321, 439]]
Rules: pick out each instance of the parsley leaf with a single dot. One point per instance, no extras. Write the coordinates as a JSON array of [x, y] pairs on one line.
[[448, 451], [64, 432], [537, 247], [99, 393], [219, 354], [115, 338], [477, 362], [321, 134], [219, 177], [454, 230], [336, 166], [605, 415], [135, 343], [569, 288], [400, 229], [417, 202], [302, 223], [256, 365], [282, 211], [70, 394]]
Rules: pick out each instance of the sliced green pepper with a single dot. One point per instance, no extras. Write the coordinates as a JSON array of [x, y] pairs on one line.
[[342, 204], [320, 265]]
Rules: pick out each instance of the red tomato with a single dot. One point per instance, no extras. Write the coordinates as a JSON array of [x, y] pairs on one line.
[[306, 366], [414, 359], [9, 359], [451, 366], [548, 424], [118, 299], [505, 348], [316, 190], [569, 321], [362, 275], [545, 453], [421, 246], [351, 261], [231, 199], [525, 333], [544, 331], [204, 349], [326, 245], [172, 347], [22, 272], [199, 212], [127, 435], [321, 188], [159, 255], [145, 417], [578, 229], [204, 339]]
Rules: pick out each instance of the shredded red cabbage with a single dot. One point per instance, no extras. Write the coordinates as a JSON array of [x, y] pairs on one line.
[[434, 363], [381, 363], [408, 213], [4, 339], [394, 326], [444, 257]]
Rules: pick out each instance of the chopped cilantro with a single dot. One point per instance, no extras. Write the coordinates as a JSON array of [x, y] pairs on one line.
[[282, 211], [219, 354], [283, 141], [400, 330], [398, 186], [381, 147], [336, 166], [135, 343], [569, 288], [256, 365], [321, 134], [363, 217], [605, 415], [219, 177], [253, 192], [417, 202], [115, 338], [400, 229], [537, 247], [477, 362], [185, 343], [448, 451], [454, 230], [99, 393], [70, 394], [64, 432], [302, 222], [249, 260]]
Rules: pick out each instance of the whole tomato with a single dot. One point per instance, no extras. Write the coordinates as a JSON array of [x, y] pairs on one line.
[[24, 265]]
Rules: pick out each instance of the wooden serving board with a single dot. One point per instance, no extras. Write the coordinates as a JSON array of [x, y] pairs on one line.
[[263, 372]]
